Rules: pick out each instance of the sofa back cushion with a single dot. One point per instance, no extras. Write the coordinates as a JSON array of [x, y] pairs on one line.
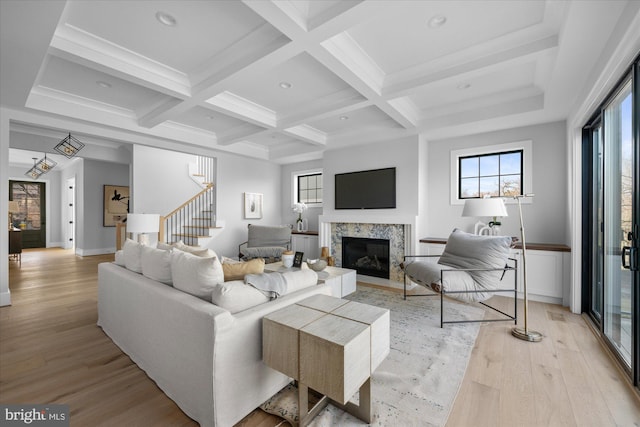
[[132, 252], [156, 264], [195, 275]]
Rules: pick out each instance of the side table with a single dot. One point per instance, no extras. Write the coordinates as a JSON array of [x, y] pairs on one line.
[[330, 345]]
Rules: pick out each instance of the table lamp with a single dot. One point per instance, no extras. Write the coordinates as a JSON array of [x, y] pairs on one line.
[[486, 207], [142, 224]]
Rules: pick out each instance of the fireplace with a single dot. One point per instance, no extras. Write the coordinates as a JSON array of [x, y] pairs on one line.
[[367, 256]]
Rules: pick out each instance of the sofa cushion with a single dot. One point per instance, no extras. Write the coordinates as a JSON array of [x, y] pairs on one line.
[[195, 250], [119, 258], [132, 255], [235, 296], [156, 264], [237, 270], [195, 275]]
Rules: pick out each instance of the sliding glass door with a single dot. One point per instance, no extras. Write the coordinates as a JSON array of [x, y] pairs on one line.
[[611, 184]]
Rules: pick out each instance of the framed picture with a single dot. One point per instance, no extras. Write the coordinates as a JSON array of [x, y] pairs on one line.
[[252, 205], [115, 203], [297, 259]]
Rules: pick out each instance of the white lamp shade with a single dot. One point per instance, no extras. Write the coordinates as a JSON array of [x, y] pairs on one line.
[[13, 206], [143, 223], [484, 207]]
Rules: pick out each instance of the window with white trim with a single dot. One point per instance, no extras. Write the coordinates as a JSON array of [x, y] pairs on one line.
[[496, 170]]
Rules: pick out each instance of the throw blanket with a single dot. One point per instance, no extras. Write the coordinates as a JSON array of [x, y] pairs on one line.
[[272, 285]]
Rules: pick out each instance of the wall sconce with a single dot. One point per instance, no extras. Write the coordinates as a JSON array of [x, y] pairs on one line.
[[69, 146]]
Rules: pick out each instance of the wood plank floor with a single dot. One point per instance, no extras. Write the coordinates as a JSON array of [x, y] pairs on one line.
[[51, 351]]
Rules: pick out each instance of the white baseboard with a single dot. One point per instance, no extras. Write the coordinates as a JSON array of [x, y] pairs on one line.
[[5, 298], [91, 252], [55, 245]]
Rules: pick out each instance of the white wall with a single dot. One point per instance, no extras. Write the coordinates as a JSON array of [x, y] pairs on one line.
[[403, 154], [160, 180], [545, 218], [92, 237], [312, 213], [5, 294]]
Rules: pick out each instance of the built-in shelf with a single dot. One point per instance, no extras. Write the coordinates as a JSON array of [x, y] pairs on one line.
[[305, 233]]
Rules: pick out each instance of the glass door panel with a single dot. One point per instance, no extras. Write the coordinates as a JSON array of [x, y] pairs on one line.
[[617, 203], [30, 217]]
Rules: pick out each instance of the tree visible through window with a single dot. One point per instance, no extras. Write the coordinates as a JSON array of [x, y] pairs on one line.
[[494, 174], [310, 188]]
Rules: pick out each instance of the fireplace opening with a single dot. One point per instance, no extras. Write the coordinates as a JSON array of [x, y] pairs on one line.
[[367, 256]]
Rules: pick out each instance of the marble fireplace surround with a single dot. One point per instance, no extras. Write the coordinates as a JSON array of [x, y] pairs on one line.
[[398, 229]]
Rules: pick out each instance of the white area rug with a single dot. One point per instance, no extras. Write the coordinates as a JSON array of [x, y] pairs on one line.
[[419, 380]]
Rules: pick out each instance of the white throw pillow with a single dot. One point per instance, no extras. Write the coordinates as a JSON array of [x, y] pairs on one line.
[[195, 250], [132, 252], [235, 296], [195, 275], [156, 264], [119, 258]]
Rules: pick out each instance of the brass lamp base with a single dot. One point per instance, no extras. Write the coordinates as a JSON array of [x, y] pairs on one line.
[[532, 336]]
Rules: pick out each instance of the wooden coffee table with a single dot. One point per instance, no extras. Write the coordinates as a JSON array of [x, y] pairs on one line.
[[330, 345]]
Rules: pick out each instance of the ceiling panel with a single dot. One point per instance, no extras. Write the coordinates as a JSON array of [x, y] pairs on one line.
[[203, 28], [88, 83], [212, 121], [403, 38], [362, 118], [456, 90]]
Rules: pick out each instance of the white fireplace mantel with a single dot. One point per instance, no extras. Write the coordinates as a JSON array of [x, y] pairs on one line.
[[409, 222]]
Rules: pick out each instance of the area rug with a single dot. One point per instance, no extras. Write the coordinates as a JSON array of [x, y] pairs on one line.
[[419, 380]]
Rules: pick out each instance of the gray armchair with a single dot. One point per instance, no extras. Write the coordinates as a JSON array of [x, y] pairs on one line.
[[266, 242]]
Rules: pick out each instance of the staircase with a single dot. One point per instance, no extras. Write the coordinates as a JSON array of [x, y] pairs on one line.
[[194, 222]]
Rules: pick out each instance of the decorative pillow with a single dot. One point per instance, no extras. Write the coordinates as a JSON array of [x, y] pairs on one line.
[[263, 252], [156, 264], [235, 296], [119, 258], [195, 250], [165, 246], [464, 250], [237, 270], [131, 251], [195, 275]]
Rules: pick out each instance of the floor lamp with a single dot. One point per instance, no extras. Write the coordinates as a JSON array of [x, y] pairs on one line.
[[524, 333]]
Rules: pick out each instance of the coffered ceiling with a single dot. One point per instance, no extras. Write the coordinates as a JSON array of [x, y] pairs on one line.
[[286, 80]]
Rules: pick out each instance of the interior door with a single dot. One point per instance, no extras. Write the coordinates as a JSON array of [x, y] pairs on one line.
[[31, 216]]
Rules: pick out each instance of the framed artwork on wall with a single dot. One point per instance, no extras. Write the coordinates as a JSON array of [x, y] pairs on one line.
[[252, 205], [115, 203]]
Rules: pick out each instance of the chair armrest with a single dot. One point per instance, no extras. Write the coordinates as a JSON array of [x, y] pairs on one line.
[[240, 246]]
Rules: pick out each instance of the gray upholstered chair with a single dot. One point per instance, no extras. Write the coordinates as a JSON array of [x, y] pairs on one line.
[[470, 269], [266, 242]]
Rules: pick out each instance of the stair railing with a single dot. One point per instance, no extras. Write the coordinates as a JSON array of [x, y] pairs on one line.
[[188, 214]]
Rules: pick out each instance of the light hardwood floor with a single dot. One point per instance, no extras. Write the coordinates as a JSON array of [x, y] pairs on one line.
[[51, 351]]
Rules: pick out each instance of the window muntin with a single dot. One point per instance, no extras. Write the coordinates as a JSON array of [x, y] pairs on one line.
[[491, 174], [309, 188]]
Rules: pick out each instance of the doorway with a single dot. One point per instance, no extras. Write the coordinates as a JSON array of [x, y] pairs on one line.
[[31, 216], [611, 230]]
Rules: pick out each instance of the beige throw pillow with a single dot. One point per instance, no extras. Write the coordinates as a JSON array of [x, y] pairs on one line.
[[237, 270]]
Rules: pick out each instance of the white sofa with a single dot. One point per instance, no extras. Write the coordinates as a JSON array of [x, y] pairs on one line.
[[206, 359]]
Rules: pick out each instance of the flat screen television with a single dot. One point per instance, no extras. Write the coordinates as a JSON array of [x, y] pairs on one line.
[[371, 189]]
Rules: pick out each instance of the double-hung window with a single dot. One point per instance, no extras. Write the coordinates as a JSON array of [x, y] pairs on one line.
[[307, 187]]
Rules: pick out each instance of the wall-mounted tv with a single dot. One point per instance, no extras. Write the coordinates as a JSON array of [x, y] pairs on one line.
[[370, 189]]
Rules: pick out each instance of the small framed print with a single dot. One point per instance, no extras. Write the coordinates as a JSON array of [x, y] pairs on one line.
[[252, 205], [297, 259]]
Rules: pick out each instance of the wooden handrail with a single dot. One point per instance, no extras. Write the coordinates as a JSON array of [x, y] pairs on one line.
[[163, 219], [209, 186]]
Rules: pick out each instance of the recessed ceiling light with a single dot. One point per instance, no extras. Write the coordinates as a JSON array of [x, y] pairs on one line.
[[103, 84], [437, 21], [166, 19], [463, 86], [285, 85], [210, 117], [344, 117]]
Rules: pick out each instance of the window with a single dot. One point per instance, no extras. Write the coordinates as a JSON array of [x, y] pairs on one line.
[[493, 174], [308, 187], [496, 170]]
